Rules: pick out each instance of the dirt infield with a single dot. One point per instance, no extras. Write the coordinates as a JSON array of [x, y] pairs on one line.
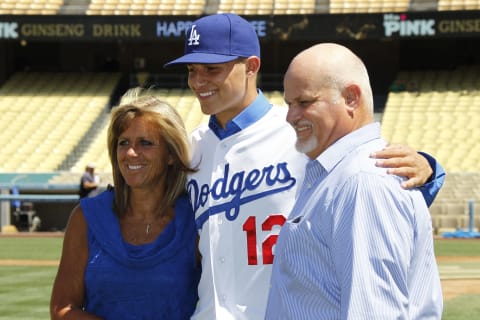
[[28, 263], [57, 234], [458, 259], [455, 287]]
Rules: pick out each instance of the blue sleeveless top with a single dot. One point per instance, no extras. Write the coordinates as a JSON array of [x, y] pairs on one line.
[[152, 281]]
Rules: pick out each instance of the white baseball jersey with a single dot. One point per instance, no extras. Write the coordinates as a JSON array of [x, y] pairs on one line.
[[244, 189]]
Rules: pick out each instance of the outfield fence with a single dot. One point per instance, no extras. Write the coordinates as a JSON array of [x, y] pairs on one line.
[[20, 210]]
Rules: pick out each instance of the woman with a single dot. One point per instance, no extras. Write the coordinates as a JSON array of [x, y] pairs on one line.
[[130, 252]]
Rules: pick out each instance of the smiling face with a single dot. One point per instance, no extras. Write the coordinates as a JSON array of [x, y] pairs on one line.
[[142, 155], [327, 90], [313, 112], [224, 89]]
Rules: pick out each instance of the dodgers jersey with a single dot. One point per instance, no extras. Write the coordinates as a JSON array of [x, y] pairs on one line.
[[241, 194]]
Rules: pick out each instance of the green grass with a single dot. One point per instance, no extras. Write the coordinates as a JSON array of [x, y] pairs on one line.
[[25, 290], [457, 247], [462, 308], [465, 306], [30, 248]]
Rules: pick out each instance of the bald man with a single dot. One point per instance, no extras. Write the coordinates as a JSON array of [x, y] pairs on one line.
[[339, 255]]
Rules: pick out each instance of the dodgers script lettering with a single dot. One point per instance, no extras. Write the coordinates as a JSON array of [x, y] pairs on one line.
[[239, 188]]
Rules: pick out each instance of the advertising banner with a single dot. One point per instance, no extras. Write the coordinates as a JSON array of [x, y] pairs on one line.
[[318, 27]]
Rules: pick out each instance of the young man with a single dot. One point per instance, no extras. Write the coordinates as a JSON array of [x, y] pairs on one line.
[[249, 169], [356, 245]]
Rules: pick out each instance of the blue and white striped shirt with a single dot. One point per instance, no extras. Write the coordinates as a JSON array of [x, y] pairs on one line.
[[356, 245]]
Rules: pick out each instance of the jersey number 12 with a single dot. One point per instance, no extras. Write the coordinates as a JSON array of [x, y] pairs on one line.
[[250, 227]]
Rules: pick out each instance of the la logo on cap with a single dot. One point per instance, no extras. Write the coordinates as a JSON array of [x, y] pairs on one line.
[[225, 37], [194, 37]]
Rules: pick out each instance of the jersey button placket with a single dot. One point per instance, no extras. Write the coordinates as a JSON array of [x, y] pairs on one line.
[[221, 222]]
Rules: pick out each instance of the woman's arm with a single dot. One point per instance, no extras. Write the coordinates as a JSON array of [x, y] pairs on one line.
[[68, 291]]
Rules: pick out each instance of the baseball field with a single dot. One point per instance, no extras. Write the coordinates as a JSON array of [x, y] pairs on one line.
[[28, 263]]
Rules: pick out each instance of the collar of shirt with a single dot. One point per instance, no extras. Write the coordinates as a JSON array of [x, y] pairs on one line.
[[259, 107], [342, 147], [314, 171]]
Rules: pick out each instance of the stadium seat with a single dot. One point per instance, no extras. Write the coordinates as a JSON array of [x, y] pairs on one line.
[[359, 6], [146, 7], [30, 7], [452, 5], [49, 125], [438, 113], [448, 223]]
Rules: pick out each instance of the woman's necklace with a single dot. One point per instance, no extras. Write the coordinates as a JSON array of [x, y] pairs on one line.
[[138, 231], [147, 229]]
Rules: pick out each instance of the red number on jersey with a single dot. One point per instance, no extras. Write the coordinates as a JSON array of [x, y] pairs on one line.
[[267, 246], [250, 228]]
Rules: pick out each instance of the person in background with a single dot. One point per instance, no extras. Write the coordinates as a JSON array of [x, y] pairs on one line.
[[131, 251], [249, 169], [356, 245], [88, 182], [16, 204]]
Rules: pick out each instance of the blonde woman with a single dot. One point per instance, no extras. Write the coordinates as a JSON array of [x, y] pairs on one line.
[[130, 252]]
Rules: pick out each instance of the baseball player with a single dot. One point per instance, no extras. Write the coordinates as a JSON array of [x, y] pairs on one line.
[[249, 169]]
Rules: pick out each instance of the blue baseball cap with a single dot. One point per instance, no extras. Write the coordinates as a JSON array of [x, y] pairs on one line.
[[218, 38]]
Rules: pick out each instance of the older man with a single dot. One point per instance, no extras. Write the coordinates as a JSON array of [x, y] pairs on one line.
[[356, 245]]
